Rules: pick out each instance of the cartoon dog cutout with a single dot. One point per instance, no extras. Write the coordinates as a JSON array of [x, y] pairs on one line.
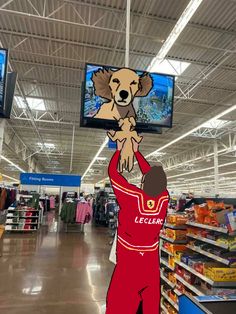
[[127, 133], [119, 88]]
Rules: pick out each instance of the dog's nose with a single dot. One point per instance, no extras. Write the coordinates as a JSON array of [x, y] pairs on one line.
[[124, 94]]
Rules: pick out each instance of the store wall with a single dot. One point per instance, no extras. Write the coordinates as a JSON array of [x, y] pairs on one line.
[[30, 188], [87, 188]]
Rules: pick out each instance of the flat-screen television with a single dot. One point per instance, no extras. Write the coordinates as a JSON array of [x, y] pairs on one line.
[[3, 76], [110, 93], [9, 95]]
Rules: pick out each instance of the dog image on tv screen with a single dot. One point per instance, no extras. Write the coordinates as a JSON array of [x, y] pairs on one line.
[[119, 88]]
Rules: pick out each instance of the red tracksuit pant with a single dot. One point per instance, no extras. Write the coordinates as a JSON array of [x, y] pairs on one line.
[[136, 278]]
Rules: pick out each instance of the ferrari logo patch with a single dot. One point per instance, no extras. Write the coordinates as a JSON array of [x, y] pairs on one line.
[[150, 204]]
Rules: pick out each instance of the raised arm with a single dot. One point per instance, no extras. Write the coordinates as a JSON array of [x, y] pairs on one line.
[[143, 164], [113, 173]]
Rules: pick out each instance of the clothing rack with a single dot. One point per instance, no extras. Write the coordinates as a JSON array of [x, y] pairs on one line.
[[24, 215], [75, 213]]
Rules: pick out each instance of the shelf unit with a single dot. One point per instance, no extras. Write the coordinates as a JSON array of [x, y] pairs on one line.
[[180, 227], [208, 254], [22, 219], [206, 279], [204, 239], [164, 308], [188, 285], [203, 226], [175, 305], [165, 262], [166, 251], [171, 284], [193, 288], [172, 240]]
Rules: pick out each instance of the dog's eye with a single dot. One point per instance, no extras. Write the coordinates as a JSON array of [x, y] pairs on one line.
[[133, 83], [115, 80]]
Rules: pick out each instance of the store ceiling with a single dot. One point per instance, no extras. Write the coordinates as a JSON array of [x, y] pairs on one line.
[[50, 41]]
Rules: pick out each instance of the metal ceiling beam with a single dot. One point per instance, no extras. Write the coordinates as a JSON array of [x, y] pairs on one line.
[[111, 49], [29, 113], [39, 83], [152, 17], [81, 69], [67, 22], [16, 145]]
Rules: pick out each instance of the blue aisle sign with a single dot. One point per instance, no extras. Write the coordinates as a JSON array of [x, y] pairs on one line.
[[50, 179]]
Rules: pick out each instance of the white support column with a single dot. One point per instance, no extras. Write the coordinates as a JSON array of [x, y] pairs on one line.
[[216, 168], [128, 4], [2, 127], [72, 149]]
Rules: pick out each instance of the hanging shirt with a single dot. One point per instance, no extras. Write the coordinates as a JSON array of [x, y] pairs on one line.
[[140, 216], [52, 202], [83, 212]]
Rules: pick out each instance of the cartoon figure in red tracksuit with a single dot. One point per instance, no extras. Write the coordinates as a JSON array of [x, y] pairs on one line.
[[142, 213]]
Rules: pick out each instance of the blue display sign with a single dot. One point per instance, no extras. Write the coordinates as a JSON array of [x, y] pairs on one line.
[[50, 179], [111, 144], [3, 76]]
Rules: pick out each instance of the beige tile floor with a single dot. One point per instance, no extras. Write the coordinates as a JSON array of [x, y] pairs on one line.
[[55, 272]]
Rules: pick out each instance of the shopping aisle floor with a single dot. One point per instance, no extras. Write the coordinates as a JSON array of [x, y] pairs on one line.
[[55, 273]]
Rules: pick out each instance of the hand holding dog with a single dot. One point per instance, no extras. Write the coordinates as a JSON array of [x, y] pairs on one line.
[[127, 142], [136, 144]]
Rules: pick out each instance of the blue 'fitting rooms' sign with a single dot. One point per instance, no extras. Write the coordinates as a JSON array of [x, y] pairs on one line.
[[50, 179]]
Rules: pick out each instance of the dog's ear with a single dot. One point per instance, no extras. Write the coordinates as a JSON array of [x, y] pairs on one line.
[[121, 122], [132, 121], [101, 80], [145, 85]]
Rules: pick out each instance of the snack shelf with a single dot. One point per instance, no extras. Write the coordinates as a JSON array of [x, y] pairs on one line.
[[177, 292], [194, 236], [175, 227], [163, 277], [189, 286], [165, 262], [175, 305], [166, 251], [206, 279], [164, 308], [208, 254], [172, 240], [203, 226]]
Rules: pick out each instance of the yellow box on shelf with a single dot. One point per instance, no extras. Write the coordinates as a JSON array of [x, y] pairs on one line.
[[215, 272]]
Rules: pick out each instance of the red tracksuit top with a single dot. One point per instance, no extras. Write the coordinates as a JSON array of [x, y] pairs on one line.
[[140, 217]]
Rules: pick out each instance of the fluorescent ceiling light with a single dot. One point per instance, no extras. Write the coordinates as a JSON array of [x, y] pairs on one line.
[[53, 162], [101, 158], [223, 113], [47, 145], [6, 176], [215, 124], [12, 163], [34, 103], [176, 31], [172, 67], [201, 170], [95, 157], [211, 176]]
